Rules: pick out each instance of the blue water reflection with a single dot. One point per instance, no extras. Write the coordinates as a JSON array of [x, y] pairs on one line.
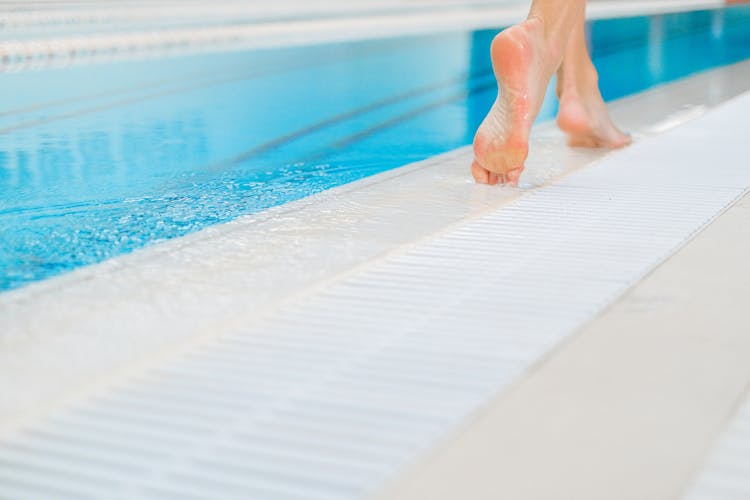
[[96, 161]]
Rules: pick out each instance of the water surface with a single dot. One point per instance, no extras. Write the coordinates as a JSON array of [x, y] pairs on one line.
[[99, 160]]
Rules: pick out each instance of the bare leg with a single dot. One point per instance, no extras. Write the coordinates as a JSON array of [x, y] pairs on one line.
[[583, 114], [524, 59]]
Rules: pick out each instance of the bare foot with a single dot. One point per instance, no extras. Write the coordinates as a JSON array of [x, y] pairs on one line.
[[523, 66], [583, 114]]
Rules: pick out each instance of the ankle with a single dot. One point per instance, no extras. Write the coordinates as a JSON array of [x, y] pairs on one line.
[[552, 40], [576, 80]]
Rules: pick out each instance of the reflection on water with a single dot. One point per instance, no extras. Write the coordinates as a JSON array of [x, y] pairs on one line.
[[100, 160]]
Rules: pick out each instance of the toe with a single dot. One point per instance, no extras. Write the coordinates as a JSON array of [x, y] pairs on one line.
[[480, 174], [513, 176]]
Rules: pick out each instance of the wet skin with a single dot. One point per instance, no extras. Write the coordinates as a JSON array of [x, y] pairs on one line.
[[524, 60]]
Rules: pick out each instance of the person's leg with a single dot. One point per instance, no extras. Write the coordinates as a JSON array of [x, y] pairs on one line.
[[524, 59], [583, 114]]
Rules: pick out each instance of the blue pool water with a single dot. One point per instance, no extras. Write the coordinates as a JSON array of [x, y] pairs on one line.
[[99, 160]]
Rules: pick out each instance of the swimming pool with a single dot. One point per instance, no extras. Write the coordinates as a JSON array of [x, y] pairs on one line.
[[117, 156]]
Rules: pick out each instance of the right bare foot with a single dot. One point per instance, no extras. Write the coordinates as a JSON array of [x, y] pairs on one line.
[[523, 65]]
